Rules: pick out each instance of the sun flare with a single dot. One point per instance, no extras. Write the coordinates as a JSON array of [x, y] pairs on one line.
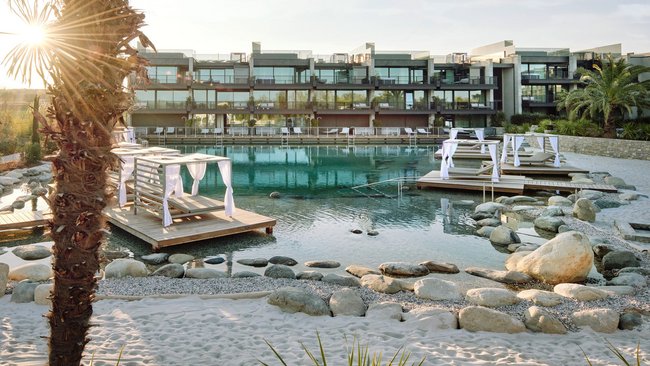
[[33, 34]]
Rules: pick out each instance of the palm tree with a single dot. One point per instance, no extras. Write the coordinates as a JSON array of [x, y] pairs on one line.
[[610, 89], [84, 57]]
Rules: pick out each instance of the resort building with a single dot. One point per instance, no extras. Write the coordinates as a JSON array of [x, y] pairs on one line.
[[362, 88]]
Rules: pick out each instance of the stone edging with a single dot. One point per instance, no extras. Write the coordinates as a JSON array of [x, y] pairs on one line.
[[233, 296], [614, 148]]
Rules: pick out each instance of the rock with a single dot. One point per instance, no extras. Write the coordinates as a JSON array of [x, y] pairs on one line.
[[491, 297], [31, 252], [155, 258], [24, 292], [402, 269], [245, 274], [431, 319], [31, 271], [540, 297], [310, 276], [278, 259], [584, 210], [18, 205], [42, 294], [14, 174], [323, 264], [485, 231], [478, 216], [600, 320], [293, 300], [548, 223], [628, 196], [553, 211], [628, 279], [279, 271], [372, 233], [618, 259], [360, 271], [566, 258], [45, 177], [607, 203], [630, 320], [540, 320], [478, 318], [559, 201], [8, 181], [384, 311], [463, 203], [639, 270], [356, 231], [204, 273], [214, 260], [615, 181], [440, 267], [275, 195], [519, 199], [25, 198], [4, 277], [590, 194], [579, 292], [180, 258], [513, 260], [124, 268], [489, 207], [617, 290], [436, 289], [336, 279], [171, 270], [379, 283], [39, 191], [564, 229], [526, 248], [489, 222], [254, 262], [503, 235], [510, 277], [347, 302], [600, 250]]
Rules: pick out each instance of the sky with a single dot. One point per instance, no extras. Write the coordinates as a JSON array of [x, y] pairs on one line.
[[332, 26]]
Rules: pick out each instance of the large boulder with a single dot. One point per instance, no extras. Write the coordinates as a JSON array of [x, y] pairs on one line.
[[615, 181], [566, 258], [402, 269], [4, 277], [548, 223], [559, 201], [590, 194], [607, 203], [513, 259], [629, 279], [293, 300], [31, 271], [431, 319], [503, 235], [489, 207], [42, 294], [579, 292], [32, 252], [630, 320], [540, 320], [584, 210], [24, 292], [381, 284], [492, 221], [600, 320], [436, 289], [309, 276], [323, 264], [336, 279], [180, 258], [254, 262], [204, 273], [510, 277], [491, 297], [553, 211], [384, 311], [360, 271], [347, 302], [155, 258], [279, 271], [171, 270], [440, 267], [478, 318], [518, 199], [485, 231], [125, 268], [618, 259], [541, 297]]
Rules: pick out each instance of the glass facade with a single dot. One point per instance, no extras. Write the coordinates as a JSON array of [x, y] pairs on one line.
[[145, 99], [544, 71], [341, 99], [172, 99], [280, 75], [225, 76], [400, 75], [163, 74], [232, 100]]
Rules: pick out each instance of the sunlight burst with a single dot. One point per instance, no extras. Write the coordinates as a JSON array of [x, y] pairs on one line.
[[33, 34]]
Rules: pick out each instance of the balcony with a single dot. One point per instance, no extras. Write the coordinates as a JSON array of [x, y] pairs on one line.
[[279, 82], [347, 82], [262, 107], [221, 80], [463, 107], [537, 101], [401, 108], [343, 107], [556, 77], [160, 107], [482, 82], [399, 82]]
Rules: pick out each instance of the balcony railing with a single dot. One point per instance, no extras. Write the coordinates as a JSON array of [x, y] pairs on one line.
[[556, 75], [401, 106], [160, 104], [265, 105], [399, 80], [266, 80], [242, 130], [527, 99], [461, 105], [343, 80], [483, 80], [342, 105]]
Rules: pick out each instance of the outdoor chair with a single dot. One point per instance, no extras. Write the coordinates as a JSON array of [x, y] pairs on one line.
[[345, 131], [217, 131], [332, 130], [170, 131], [483, 172], [423, 131], [409, 131], [205, 131], [284, 130], [537, 158], [158, 131], [297, 131]]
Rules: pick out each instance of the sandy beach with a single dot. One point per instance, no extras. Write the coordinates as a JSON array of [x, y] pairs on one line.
[[195, 331]]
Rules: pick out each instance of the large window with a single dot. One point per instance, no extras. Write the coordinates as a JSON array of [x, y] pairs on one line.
[[280, 75], [341, 99], [204, 99], [163, 74], [226, 76], [145, 99], [232, 100], [172, 99], [400, 75], [333, 76], [533, 93]]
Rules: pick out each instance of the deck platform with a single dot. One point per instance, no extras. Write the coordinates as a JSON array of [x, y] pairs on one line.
[[566, 186], [23, 219], [216, 224], [539, 169]]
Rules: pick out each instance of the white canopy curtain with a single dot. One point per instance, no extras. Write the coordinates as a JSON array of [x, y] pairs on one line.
[[555, 144], [480, 135], [125, 172], [172, 178], [540, 142], [495, 168], [225, 168], [448, 150], [516, 144], [197, 171], [504, 151], [453, 133]]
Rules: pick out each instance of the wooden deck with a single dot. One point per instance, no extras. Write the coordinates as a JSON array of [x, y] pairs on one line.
[[23, 219], [565, 186], [187, 229], [539, 169]]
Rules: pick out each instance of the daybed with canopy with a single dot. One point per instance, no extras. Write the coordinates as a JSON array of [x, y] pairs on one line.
[[514, 141], [449, 148]]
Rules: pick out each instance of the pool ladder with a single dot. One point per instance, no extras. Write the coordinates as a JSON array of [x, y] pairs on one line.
[[378, 193]]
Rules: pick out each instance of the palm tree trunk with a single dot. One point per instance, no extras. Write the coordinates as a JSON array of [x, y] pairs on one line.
[[609, 127]]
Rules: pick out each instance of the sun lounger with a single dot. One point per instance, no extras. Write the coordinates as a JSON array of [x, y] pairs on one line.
[[297, 131], [537, 158], [170, 131], [423, 131], [158, 131], [409, 131], [205, 131], [468, 173], [332, 131], [345, 131], [284, 130]]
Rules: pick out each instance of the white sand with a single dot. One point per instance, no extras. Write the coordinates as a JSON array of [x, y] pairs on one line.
[[191, 331]]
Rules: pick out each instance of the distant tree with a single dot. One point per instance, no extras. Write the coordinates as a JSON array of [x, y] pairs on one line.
[[610, 89]]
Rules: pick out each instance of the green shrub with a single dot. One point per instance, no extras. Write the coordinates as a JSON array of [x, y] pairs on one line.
[[33, 153], [644, 133], [498, 120], [578, 128], [530, 118]]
